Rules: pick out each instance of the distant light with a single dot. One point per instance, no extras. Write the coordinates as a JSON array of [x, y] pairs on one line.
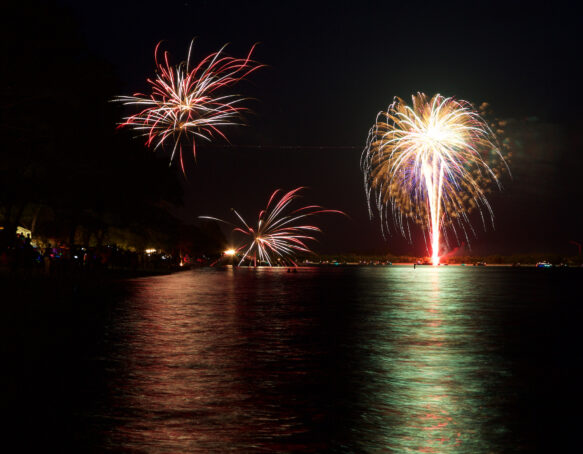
[[230, 252], [150, 251], [23, 231]]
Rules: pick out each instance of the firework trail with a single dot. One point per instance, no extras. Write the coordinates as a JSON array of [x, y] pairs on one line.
[[279, 233], [428, 164], [186, 102]]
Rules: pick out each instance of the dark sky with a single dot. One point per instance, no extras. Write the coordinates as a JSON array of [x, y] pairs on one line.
[[332, 66]]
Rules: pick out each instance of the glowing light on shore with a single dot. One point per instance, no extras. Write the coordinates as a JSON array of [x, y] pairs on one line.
[[187, 102], [230, 252], [426, 163], [279, 234]]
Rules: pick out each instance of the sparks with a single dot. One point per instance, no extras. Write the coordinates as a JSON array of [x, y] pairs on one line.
[[278, 235], [186, 103], [426, 163]]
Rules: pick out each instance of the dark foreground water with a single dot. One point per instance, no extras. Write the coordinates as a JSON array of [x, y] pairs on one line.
[[392, 359]]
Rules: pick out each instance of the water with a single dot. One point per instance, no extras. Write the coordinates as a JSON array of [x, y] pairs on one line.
[[350, 359]]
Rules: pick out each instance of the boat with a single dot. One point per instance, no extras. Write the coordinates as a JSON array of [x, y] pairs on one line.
[[543, 264]]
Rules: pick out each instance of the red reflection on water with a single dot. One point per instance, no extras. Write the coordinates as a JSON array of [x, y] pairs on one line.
[[206, 361]]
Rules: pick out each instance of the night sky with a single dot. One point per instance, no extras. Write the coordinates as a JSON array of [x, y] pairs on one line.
[[332, 66]]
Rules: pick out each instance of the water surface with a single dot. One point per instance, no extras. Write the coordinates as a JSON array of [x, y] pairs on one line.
[[348, 359]]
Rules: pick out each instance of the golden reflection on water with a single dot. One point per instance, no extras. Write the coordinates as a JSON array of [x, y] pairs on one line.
[[434, 368]]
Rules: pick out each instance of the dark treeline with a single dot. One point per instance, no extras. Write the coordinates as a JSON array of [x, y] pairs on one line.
[[66, 172]]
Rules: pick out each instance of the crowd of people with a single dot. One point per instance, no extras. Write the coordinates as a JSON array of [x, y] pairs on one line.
[[20, 255]]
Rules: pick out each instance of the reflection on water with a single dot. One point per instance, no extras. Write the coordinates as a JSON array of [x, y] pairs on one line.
[[430, 371], [345, 360]]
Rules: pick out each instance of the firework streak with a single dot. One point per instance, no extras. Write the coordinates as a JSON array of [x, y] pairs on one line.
[[186, 103], [279, 234], [427, 164]]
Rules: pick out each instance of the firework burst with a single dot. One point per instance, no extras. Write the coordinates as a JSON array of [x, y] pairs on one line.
[[186, 102], [427, 163], [280, 232]]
